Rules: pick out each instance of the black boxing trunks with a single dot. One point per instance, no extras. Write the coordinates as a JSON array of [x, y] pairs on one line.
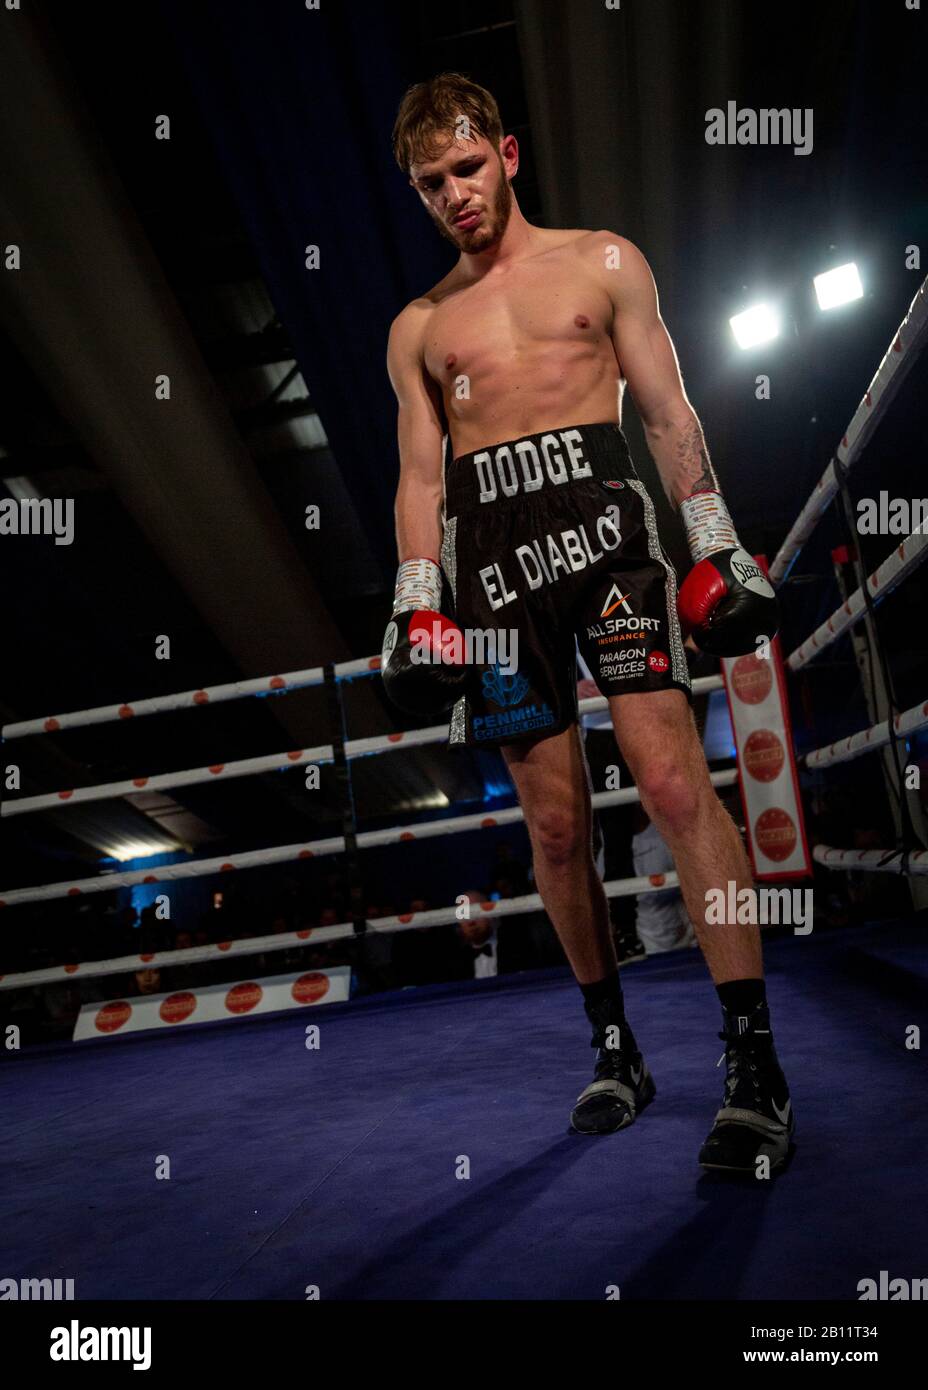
[[547, 538]]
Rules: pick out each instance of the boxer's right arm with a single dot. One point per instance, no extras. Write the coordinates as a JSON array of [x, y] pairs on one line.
[[422, 672], [420, 433]]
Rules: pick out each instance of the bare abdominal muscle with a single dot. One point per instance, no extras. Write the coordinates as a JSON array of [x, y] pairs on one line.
[[526, 348]]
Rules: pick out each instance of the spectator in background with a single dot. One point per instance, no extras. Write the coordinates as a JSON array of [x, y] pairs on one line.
[[488, 945], [477, 933], [147, 980], [661, 919]]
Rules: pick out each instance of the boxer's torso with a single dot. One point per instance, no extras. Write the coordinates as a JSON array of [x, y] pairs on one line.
[[525, 348]]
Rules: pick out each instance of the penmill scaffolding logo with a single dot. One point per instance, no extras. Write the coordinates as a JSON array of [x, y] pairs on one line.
[[504, 688]]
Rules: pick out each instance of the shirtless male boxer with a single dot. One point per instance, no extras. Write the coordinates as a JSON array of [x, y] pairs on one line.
[[541, 526]]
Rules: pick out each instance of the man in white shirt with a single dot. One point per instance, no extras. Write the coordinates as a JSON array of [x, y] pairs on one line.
[[479, 933]]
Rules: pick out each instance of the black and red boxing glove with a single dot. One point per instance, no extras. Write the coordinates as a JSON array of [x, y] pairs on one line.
[[726, 599], [423, 658]]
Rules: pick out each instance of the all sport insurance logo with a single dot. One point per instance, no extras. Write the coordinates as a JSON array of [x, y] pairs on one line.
[[619, 624]]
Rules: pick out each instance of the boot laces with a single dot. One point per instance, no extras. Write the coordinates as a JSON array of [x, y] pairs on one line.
[[742, 1074]]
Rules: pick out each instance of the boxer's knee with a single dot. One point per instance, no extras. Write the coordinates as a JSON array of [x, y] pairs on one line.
[[559, 838], [672, 795]]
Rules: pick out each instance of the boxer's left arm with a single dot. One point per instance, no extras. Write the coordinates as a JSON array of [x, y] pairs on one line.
[[725, 599], [648, 362]]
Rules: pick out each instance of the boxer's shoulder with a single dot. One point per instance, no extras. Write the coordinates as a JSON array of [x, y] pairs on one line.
[[608, 248], [408, 328]]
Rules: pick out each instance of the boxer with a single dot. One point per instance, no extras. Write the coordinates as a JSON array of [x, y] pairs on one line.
[[538, 522]]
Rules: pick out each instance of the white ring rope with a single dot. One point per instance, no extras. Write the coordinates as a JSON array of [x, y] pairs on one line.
[[282, 854], [867, 740], [280, 941], [268, 762], [872, 861], [898, 566], [190, 699], [898, 358]]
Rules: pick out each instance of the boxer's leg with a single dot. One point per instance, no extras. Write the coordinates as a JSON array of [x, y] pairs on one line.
[[657, 735], [552, 781]]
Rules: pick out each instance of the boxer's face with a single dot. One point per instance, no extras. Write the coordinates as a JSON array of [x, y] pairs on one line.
[[466, 191]]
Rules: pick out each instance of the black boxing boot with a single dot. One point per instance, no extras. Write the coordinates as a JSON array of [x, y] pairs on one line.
[[621, 1085], [756, 1118]]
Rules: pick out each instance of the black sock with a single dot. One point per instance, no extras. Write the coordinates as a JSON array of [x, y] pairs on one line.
[[741, 996], [607, 990]]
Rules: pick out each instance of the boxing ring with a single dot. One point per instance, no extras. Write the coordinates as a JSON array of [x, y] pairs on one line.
[[420, 1149]]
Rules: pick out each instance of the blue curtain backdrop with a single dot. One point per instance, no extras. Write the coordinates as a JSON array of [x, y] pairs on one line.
[[300, 104]]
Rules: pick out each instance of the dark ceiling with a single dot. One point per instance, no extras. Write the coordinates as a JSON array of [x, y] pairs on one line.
[[145, 256]]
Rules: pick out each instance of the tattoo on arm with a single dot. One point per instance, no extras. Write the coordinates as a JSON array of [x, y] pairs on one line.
[[695, 470]]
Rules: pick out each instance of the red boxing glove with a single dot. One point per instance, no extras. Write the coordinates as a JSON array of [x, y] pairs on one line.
[[729, 603], [726, 599], [423, 657]]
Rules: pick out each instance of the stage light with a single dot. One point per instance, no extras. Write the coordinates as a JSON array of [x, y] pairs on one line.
[[137, 849], [759, 324], [838, 286]]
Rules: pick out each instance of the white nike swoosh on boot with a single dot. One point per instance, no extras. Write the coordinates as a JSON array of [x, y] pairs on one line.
[[782, 1115]]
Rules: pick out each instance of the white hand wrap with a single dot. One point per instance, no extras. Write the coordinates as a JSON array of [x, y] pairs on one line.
[[709, 528], [418, 585]]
